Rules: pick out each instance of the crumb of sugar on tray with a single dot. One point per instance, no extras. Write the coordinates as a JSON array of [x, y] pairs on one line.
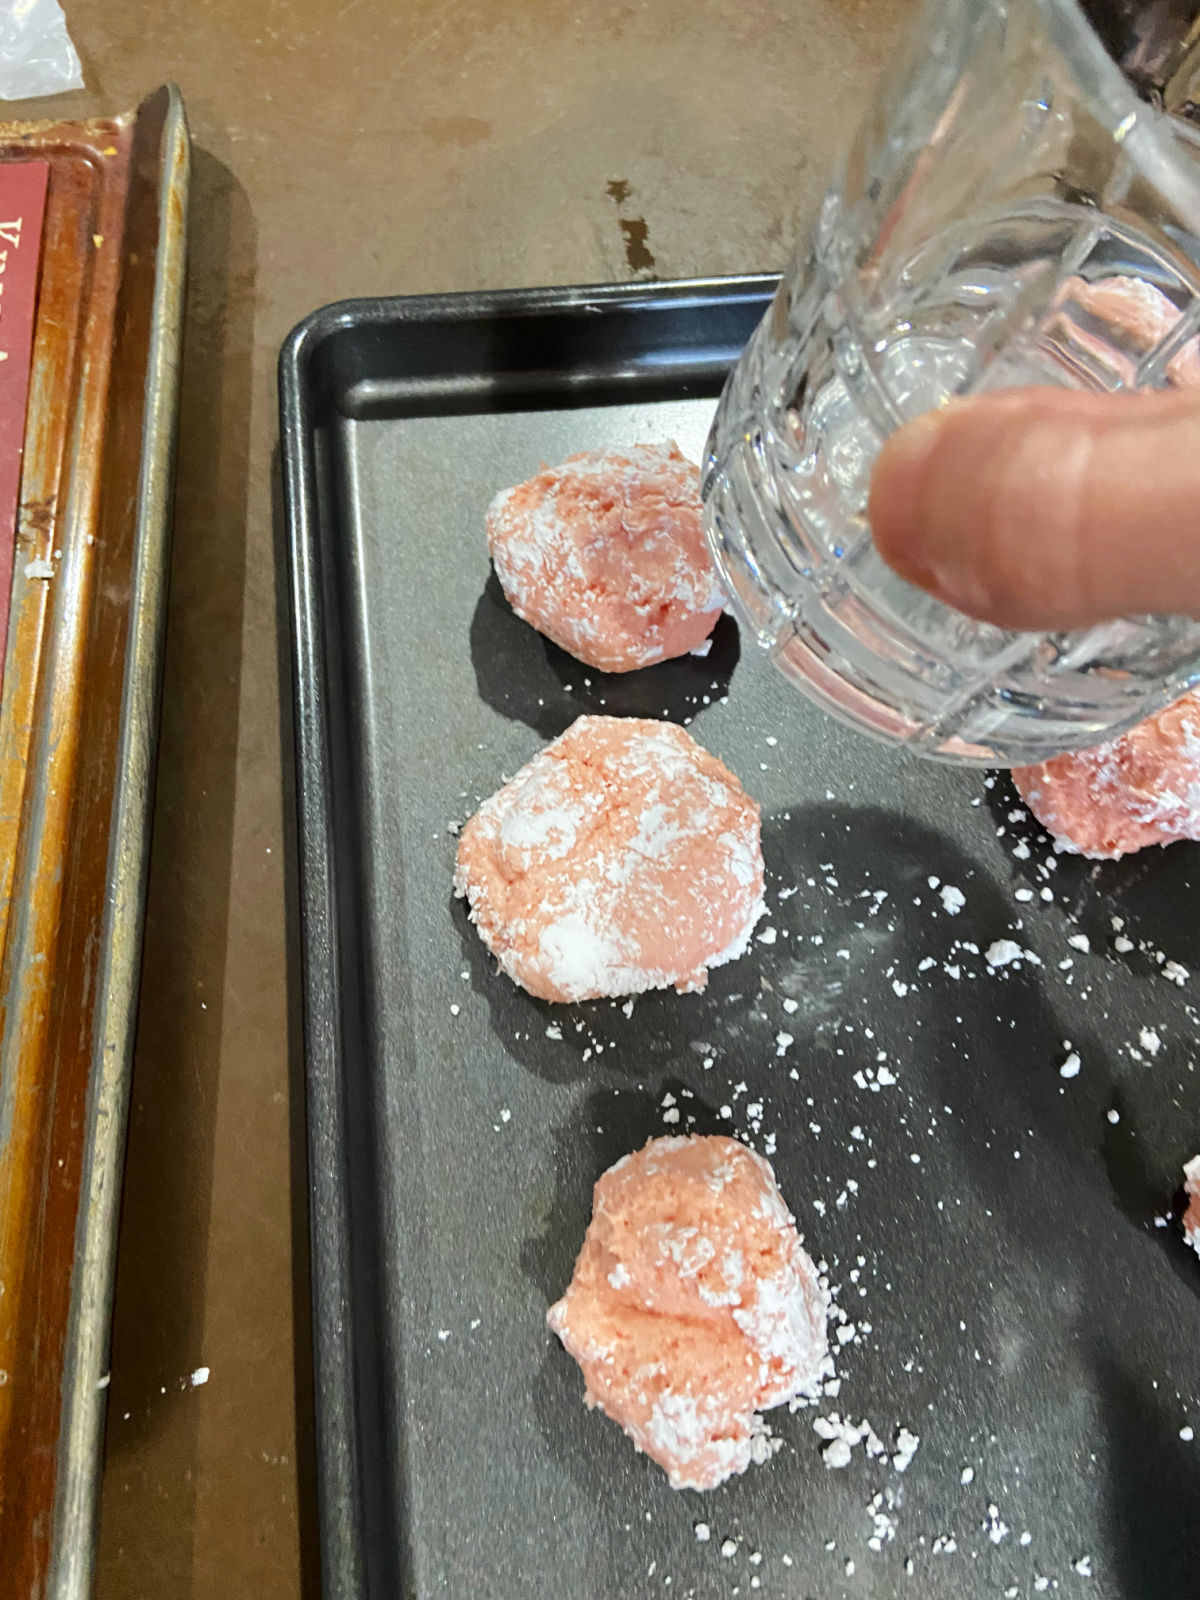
[[1005, 952], [622, 858], [906, 1449], [995, 1527], [719, 1314], [606, 556]]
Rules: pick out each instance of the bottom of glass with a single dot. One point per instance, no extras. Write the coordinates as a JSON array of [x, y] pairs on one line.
[[996, 700], [789, 539]]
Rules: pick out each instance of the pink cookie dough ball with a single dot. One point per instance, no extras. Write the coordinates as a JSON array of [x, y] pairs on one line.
[[1138, 789], [622, 858], [693, 1306], [606, 556]]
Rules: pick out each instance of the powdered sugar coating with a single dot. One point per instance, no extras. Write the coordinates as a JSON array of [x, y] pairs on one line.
[[1191, 1217], [693, 1306], [606, 556], [1139, 789], [622, 858]]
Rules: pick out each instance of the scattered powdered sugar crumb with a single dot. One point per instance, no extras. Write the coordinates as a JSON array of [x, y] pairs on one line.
[[39, 567], [1004, 952], [1176, 974], [201, 1375], [1083, 1566], [703, 1532], [1070, 1067], [840, 1436], [1079, 941], [883, 1522], [1187, 1433], [768, 935], [729, 1548], [1149, 1040], [953, 900], [996, 1527], [836, 1453]]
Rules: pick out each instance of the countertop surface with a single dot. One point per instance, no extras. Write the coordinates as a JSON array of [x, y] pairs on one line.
[[360, 148]]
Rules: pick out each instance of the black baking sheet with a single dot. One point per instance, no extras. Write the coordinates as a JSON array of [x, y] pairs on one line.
[[997, 1239]]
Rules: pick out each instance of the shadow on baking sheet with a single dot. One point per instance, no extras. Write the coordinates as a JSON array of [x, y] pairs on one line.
[[1153, 892], [1153, 1489], [848, 907], [1151, 1200], [1137, 913], [524, 677], [865, 1022]]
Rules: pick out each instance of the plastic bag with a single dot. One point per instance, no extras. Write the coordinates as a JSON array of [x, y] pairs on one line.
[[36, 53]]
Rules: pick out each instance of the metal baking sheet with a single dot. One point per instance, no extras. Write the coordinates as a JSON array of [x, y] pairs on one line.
[[1002, 1237], [78, 726]]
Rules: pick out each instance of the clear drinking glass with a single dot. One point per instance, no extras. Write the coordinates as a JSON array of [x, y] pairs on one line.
[[1021, 207]]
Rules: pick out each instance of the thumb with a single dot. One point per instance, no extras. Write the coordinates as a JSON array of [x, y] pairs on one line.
[[1047, 508]]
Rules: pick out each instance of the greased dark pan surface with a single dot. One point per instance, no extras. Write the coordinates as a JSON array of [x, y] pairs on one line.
[[990, 1228]]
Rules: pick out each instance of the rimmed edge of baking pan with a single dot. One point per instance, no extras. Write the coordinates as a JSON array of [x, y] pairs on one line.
[[76, 771], [162, 145]]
